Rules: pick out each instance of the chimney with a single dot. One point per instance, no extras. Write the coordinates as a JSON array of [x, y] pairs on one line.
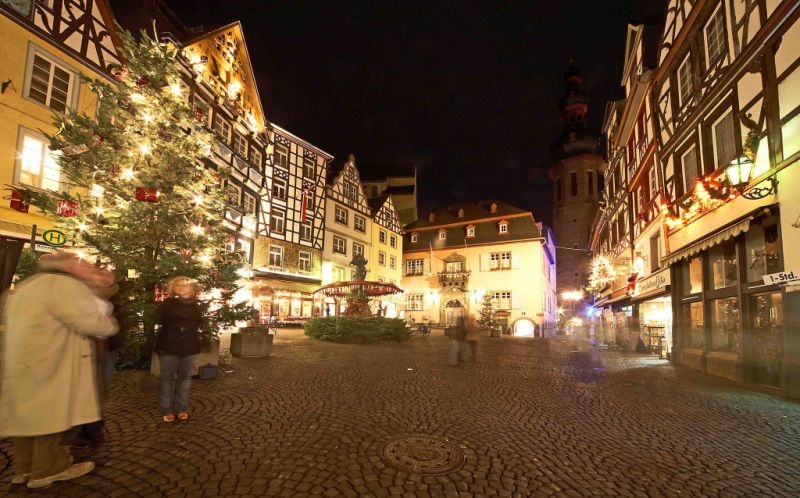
[[493, 207]]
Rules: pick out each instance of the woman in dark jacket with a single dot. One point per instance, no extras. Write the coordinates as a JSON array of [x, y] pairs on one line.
[[177, 345]]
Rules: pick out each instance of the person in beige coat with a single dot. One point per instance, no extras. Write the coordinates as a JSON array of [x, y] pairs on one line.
[[48, 379]]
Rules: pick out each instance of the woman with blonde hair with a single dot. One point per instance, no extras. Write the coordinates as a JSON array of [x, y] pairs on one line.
[[177, 345]]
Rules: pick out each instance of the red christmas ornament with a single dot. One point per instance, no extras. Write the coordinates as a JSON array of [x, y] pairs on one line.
[[67, 209], [146, 194], [120, 74], [142, 81], [19, 203], [160, 295]]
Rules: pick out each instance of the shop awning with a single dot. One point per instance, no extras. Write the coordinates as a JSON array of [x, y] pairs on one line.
[[279, 285], [710, 241], [16, 230]]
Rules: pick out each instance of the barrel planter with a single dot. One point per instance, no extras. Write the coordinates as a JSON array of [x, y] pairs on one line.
[[252, 342]]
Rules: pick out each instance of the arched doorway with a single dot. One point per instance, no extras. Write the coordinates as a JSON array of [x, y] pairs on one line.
[[452, 311], [524, 327]]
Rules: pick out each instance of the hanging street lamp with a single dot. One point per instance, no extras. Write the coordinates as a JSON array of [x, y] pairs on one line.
[[740, 173]]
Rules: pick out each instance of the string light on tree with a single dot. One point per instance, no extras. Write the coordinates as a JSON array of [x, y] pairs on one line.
[[603, 272]]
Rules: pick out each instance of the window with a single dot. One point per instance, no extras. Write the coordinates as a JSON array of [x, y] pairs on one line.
[[393, 262], [382, 236], [414, 237], [339, 245], [350, 191], [305, 261], [392, 241], [279, 189], [239, 144], [222, 128], [281, 156], [761, 251], [573, 184], [501, 300], [276, 256], [338, 274], [37, 165], [309, 200], [715, 38], [256, 157], [685, 83], [692, 276], [689, 165], [360, 223], [653, 179], [503, 227], [358, 249], [724, 270], [454, 266], [249, 205], [442, 235], [558, 189], [233, 194], [340, 215], [470, 231], [51, 84], [305, 231], [415, 266], [277, 221], [500, 261], [414, 302], [725, 324], [308, 169], [655, 252], [694, 325], [724, 141], [590, 183]]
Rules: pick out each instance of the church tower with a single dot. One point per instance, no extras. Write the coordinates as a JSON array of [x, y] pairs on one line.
[[575, 171]]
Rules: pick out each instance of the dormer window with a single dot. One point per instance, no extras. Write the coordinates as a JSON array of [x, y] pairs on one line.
[[502, 227], [470, 231], [442, 234], [414, 237], [493, 207], [460, 213]]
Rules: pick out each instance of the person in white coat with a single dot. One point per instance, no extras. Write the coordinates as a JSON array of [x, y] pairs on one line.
[[49, 382]]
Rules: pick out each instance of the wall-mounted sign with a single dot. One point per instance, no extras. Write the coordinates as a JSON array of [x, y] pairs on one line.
[[54, 238], [654, 282], [783, 277]]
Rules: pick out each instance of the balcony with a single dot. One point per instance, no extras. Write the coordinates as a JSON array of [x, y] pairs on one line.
[[458, 279]]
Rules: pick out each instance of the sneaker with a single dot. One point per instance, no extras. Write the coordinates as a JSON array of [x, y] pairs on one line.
[[76, 470], [169, 418], [183, 416], [21, 479]]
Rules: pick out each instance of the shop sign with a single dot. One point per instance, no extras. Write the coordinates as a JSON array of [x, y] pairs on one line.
[[783, 277], [654, 282]]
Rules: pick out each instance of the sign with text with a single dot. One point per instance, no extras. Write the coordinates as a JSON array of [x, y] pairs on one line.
[[783, 277], [654, 282]]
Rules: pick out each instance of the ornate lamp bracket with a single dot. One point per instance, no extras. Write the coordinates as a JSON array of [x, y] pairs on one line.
[[758, 192]]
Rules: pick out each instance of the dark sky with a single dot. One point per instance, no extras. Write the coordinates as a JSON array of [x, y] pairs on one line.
[[467, 88]]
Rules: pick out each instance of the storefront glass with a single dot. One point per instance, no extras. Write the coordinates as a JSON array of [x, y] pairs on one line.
[[694, 326], [766, 341], [725, 316], [724, 271], [761, 246], [655, 318], [692, 276]]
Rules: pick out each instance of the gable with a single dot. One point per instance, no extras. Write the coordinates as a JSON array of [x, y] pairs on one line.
[[228, 70], [677, 13], [387, 217], [347, 182], [631, 45], [83, 28]]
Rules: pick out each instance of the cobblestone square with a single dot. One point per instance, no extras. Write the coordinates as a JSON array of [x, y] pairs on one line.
[[531, 417]]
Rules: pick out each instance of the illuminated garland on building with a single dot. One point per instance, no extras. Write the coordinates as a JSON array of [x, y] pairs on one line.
[[603, 272], [707, 196]]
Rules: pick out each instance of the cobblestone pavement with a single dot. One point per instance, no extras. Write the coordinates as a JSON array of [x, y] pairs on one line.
[[532, 417]]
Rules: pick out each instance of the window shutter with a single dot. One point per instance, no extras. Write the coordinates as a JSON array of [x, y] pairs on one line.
[[516, 264], [483, 262]]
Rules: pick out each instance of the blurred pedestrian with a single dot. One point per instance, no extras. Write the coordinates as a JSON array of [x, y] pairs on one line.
[[177, 345], [49, 383], [473, 333], [458, 339]]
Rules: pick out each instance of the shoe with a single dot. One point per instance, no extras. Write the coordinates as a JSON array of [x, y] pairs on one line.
[[76, 470], [183, 416], [21, 479], [169, 418]]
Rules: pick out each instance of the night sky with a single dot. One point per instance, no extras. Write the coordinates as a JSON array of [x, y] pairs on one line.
[[468, 89]]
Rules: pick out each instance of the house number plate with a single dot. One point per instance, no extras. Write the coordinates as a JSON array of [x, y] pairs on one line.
[[783, 277]]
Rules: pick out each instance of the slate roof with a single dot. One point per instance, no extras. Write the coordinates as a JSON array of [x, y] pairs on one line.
[[376, 203], [477, 214]]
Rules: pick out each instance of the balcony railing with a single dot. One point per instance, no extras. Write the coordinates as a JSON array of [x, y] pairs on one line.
[[459, 279]]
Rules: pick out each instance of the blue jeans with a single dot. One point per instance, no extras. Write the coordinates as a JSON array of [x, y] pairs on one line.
[[175, 399]]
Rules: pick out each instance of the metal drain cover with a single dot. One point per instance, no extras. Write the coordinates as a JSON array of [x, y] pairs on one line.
[[426, 455]]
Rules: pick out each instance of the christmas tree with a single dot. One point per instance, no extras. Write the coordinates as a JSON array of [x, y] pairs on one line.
[[140, 198], [486, 318]]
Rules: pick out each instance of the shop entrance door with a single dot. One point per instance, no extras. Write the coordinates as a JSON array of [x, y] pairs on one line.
[[766, 341], [452, 311]]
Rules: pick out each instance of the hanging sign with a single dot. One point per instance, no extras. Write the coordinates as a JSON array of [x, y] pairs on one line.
[[783, 277], [54, 238]]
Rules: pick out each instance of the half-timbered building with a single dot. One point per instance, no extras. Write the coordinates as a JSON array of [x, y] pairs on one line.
[[288, 256], [387, 250], [348, 226], [48, 48], [727, 99]]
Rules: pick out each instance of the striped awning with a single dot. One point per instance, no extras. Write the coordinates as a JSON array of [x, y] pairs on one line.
[[710, 241]]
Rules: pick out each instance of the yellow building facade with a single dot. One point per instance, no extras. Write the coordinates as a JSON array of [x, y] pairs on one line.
[[386, 254]]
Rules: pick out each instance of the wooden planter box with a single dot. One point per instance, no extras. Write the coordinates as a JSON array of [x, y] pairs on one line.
[[252, 342], [209, 357]]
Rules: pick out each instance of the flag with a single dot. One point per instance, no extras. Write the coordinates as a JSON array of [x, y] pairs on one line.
[[306, 193], [430, 268]]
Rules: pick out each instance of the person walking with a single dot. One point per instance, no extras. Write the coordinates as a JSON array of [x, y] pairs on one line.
[[49, 377], [177, 345], [473, 333], [458, 339]]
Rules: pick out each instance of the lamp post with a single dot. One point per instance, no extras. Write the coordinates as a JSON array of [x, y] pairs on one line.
[[740, 173]]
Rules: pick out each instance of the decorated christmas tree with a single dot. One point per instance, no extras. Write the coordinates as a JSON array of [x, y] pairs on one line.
[[137, 195], [486, 318]]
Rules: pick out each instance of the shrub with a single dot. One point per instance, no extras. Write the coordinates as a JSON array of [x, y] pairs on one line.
[[357, 329]]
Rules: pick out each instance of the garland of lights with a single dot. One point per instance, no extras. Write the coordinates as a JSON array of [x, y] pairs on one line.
[[603, 272], [707, 196]]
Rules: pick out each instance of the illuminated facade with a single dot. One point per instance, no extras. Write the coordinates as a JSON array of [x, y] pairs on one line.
[[387, 251], [456, 255]]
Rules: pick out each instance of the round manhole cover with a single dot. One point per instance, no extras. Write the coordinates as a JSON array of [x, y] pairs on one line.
[[427, 455]]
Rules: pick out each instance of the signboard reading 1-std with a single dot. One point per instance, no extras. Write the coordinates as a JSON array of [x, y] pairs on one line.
[[54, 237]]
